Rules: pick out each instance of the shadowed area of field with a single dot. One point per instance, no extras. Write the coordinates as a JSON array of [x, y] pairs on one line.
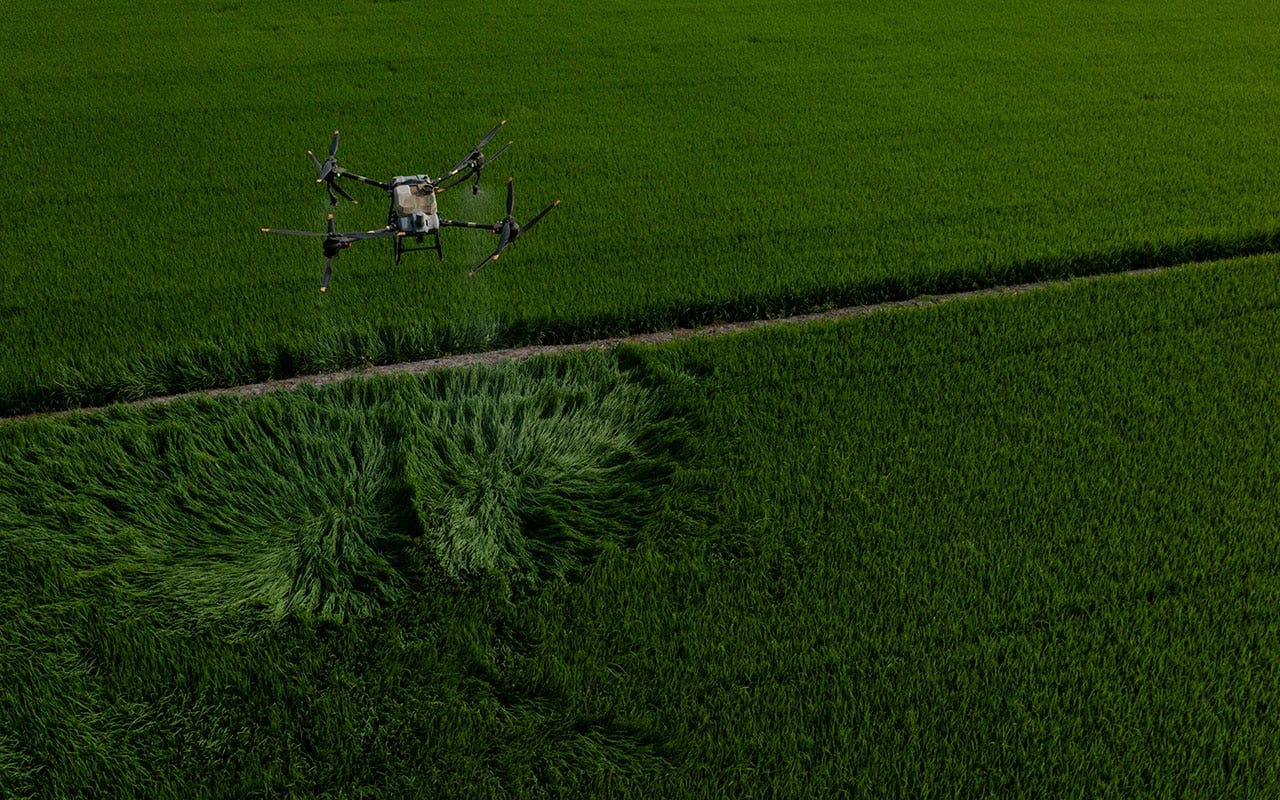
[[1020, 545]]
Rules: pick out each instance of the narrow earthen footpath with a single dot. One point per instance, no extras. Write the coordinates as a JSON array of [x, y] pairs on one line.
[[523, 353]]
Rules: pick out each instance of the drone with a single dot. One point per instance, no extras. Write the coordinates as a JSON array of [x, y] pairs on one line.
[[413, 213]]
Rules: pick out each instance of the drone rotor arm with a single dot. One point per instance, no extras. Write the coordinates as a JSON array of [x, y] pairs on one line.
[[355, 237], [467, 161], [453, 223], [342, 173], [293, 233], [448, 182]]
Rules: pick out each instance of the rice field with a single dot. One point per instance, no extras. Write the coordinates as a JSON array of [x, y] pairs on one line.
[[716, 161], [1009, 546], [1022, 545]]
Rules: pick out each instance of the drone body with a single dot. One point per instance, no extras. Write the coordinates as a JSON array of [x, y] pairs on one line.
[[413, 204], [413, 211]]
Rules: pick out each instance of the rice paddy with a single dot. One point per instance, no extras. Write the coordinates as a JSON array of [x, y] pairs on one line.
[[1005, 546], [715, 162], [1018, 545]]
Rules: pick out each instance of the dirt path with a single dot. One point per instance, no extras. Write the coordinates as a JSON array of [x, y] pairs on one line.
[[524, 353]]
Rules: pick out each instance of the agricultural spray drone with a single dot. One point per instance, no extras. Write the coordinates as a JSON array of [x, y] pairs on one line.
[[413, 207]]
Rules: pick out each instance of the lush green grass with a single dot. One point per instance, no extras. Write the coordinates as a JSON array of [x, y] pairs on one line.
[[715, 160], [1018, 547], [175, 579], [1025, 545]]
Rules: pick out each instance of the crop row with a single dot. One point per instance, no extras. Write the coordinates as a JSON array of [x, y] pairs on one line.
[[1022, 545], [713, 163]]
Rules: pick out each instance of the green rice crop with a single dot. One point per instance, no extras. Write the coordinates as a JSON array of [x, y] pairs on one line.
[[715, 161], [1018, 546], [159, 562], [528, 476]]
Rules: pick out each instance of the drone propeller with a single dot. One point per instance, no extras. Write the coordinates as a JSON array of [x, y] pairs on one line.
[[334, 243], [327, 172], [328, 273], [324, 170], [488, 137], [475, 161], [508, 229], [476, 153], [334, 186], [539, 216]]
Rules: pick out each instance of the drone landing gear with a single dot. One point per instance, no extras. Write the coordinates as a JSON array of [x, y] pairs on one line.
[[399, 249]]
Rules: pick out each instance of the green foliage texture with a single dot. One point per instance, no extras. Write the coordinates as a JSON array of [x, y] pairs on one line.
[[1022, 546], [716, 160]]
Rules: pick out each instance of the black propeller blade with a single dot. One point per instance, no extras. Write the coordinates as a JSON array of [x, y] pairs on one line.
[[505, 235], [330, 164], [335, 242], [334, 186], [488, 137], [508, 229], [476, 153], [494, 157], [482, 264], [538, 216], [475, 161], [327, 173]]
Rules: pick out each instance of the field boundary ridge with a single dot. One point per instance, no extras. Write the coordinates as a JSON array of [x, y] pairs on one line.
[[526, 352]]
